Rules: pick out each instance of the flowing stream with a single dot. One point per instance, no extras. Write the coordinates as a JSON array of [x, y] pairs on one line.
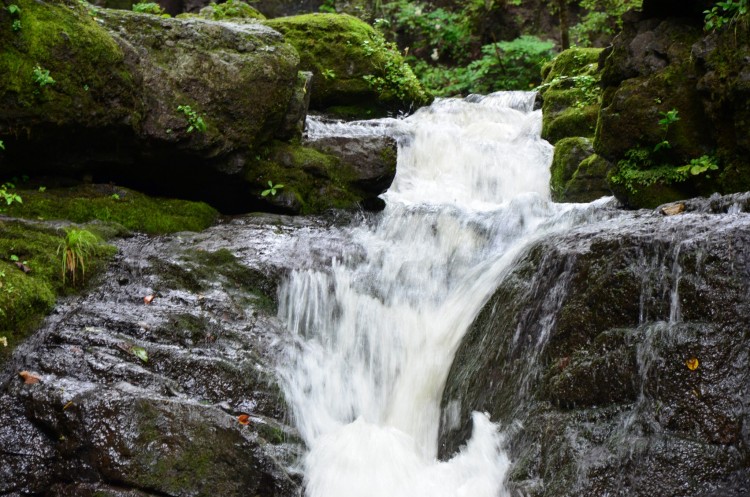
[[376, 332]]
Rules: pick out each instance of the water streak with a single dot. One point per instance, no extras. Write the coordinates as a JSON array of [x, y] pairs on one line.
[[376, 332]]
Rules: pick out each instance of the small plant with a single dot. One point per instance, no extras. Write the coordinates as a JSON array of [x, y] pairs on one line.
[[195, 121], [328, 74], [42, 77], [724, 13], [148, 8], [14, 9], [16, 25], [2, 145], [271, 189], [667, 119], [9, 196], [115, 196], [42, 189], [75, 251]]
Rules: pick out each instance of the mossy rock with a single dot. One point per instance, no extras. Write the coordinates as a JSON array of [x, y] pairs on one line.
[[312, 181], [231, 10], [352, 65], [87, 84], [572, 122], [570, 94], [589, 182], [569, 153], [572, 62], [112, 204], [32, 274]]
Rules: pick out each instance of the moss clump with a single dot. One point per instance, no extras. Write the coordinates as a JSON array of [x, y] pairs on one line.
[[85, 63], [313, 181], [128, 208], [25, 297], [351, 63], [231, 9]]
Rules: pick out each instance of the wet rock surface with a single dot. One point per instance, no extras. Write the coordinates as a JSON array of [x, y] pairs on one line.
[[137, 399], [616, 357]]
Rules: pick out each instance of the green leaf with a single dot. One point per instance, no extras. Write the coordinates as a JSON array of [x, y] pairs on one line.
[[14, 258], [270, 183], [265, 193], [140, 353]]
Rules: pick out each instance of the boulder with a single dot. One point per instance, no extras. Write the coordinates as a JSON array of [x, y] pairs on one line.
[[614, 356], [570, 97], [665, 61], [184, 107], [174, 397], [352, 65]]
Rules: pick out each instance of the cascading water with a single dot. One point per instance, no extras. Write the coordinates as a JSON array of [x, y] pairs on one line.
[[375, 334]]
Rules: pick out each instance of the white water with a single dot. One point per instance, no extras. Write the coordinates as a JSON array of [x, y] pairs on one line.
[[375, 335]]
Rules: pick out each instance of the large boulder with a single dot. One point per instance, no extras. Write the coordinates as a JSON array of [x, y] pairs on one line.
[[352, 65], [615, 358], [174, 395], [182, 107], [666, 61]]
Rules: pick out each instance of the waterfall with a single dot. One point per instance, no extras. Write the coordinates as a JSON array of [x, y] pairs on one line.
[[374, 334]]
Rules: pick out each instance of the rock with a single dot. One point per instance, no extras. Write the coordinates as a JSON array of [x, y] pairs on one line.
[[371, 159], [184, 107], [663, 61], [673, 209], [570, 94], [352, 65], [582, 355], [569, 153], [101, 418]]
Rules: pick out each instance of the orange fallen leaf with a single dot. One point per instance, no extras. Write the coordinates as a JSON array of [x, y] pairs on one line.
[[692, 364], [30, 378], [148, 299], [244, 419]]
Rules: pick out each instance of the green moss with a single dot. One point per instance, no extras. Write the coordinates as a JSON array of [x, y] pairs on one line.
[[315, 180], [569, 152], [231, 9], [571, 122], [572, 62], [84, 61], [351, 63], [26, 297], [571, 94], [128, 208]]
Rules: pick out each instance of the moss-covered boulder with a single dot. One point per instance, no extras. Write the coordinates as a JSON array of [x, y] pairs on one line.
[[577, 174], [335, 172], [570, 98], [661, 66], [570, 94], [352, 64]]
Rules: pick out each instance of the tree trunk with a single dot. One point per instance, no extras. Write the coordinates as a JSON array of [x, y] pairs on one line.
[[562, 7]]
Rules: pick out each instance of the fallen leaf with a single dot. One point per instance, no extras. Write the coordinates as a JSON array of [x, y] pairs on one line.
[[4, 341], [140, 353], [67, 405], [30, 378], [692, 363], [243, 419], [148, 299]]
